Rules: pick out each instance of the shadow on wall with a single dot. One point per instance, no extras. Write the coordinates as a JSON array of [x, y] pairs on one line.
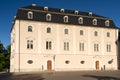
[[101, 77]]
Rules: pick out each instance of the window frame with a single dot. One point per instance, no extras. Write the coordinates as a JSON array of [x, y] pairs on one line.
[[48, 17], [94, 21], [30, 15], [48, 30], [30, 44], [65, 19], [80, 20], [107, 23]]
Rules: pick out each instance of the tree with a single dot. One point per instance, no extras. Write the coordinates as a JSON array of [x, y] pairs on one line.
[[4, 57]]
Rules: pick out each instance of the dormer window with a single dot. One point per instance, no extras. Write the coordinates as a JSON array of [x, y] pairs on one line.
[[80, 20], [62, 10], [48, 17], [65, 19], [46, 8], [30, 15], [76, 12], [94, 21], [107, 23], [90, 13]]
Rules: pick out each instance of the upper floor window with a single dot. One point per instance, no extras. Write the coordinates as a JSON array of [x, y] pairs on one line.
[[81, 46], [29, 28], [96, 47], [95, 33], [48, 30], [76, 12], [108, 34], [62, 10], [81, 32], [48, 45], [65, 19], [65, 31], [48, 17], [107, 23], [30, 15], [29, 44], [108, 48], [94, 21], [66, 46], [80, 20]]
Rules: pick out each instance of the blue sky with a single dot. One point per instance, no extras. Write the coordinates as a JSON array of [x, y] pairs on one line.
[[107, 8]]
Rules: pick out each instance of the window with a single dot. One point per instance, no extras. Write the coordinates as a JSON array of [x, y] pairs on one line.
[[107, 23], [29, 28], [65, 31], [45, 8], [48, 45], [108, 48], [81, 46], [30, 61], [94, 21], [62, 10], [29, 44], [76, 12], [66, 46], [67, 61], [108, 34], [66, 19], [81, 32], [96, 47], [82, 62], [30, 15], [48, 17], [80, 20], [48, 30], [95, 33]]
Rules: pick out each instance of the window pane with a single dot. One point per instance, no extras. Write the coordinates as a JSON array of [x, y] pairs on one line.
[[66, 31], [29, 28]]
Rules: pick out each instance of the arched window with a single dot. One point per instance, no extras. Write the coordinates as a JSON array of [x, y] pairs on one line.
[[62, 10], [29, 28], [30, 15], [80, 20], [107, 23], [65, 19], [76, 12], [94, 21], [48, 17], [48, 30]]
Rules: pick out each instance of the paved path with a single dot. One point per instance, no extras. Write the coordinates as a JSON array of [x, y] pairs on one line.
[[76, 75]]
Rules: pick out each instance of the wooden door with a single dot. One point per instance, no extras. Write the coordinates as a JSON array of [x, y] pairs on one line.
[[49, 65], [97, 64]]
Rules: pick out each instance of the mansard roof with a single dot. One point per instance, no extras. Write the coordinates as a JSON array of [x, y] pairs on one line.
[[39, 14]]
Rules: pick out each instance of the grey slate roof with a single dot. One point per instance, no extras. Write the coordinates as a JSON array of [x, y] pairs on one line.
[[39, 14]]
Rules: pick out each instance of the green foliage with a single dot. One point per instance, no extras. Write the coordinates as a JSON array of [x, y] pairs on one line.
[[4, 57]]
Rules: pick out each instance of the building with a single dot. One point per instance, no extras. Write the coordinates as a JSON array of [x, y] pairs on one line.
[[44, 38]]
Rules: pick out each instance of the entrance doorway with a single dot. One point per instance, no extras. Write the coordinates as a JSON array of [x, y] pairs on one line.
[[49, 65], [97, 65]]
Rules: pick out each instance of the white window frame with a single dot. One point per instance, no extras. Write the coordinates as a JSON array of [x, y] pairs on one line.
[[94, 21], [107, 23], [29, 44], [80, 20], [48, 17], [30, 15], [65, 19]]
